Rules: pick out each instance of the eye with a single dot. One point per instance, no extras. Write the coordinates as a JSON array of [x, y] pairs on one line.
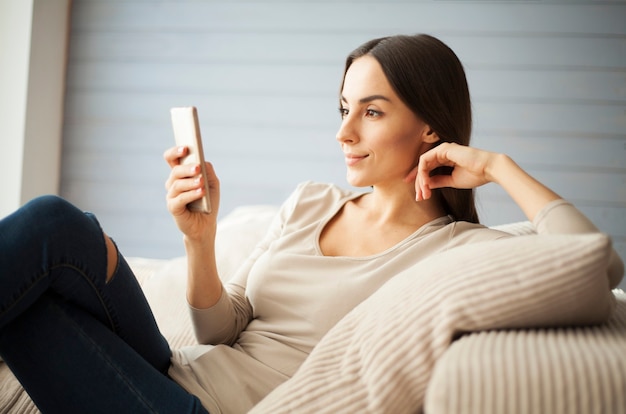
[[343, 112], [372, 113]]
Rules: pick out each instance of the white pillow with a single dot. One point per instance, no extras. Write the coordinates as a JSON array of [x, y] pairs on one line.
[[379, 358]]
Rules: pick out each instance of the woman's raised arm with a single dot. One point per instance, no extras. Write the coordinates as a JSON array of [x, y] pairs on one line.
[[184, 185], [472, 168]]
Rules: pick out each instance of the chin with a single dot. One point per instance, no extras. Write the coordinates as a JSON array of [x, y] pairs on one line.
[[357, 182]]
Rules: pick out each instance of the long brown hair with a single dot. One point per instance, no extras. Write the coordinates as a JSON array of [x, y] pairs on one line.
[[429, 78]]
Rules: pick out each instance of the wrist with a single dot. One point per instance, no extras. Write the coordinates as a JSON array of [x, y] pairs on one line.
[[499, 167], [199, 243]]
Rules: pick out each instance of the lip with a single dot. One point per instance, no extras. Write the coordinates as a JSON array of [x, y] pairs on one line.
[[353, 159]]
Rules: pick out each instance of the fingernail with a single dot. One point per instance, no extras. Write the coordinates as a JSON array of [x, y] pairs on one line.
[[180, 150]]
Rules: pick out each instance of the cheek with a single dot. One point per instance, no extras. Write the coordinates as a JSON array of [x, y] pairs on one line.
[[406, 148]]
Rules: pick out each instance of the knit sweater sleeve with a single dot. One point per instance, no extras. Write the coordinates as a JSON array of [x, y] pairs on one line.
[[561, 217], [223, 322]]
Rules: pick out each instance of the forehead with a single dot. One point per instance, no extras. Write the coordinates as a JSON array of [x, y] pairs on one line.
[[365, 77]]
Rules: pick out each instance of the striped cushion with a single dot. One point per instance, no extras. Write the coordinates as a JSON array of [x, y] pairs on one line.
[[380, 357], [576, 370]]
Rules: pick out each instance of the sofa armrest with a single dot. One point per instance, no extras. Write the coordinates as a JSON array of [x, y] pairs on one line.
[[558, 371]]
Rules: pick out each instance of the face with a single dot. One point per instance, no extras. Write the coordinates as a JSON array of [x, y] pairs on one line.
[[380, 136]]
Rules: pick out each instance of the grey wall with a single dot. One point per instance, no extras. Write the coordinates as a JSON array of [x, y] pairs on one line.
[[548, 81]]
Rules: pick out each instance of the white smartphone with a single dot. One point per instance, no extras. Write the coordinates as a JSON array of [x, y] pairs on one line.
[[187, 133]]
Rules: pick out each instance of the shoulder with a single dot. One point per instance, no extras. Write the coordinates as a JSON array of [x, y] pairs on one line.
[[463, 232], [316, 192], [312, 201]]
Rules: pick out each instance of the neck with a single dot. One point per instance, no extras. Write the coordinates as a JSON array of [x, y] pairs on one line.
[[397, 205]]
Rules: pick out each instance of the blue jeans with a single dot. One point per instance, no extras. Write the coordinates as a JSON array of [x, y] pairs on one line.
[[76, 342]]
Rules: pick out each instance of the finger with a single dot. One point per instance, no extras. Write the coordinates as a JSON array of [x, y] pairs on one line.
[[174, 154], [422, 181], [429, 161], [440, 181], [180, 172], [422, 190], [184, 185], [178, 205], [435, 158], [428, 182], [183, 192], [411, 176]]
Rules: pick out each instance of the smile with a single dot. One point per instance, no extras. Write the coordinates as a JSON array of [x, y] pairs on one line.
[[352, 159]]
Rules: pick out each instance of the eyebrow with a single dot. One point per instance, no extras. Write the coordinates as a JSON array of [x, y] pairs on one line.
[[369, 98]]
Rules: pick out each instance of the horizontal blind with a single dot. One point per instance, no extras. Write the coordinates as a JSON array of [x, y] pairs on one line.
[[548, 83]]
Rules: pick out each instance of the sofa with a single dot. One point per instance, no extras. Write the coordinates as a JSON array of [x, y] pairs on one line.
[[539, 330]]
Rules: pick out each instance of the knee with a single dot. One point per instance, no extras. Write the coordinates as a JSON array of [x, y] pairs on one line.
[[49, 206], [45, 213], [58, 213]]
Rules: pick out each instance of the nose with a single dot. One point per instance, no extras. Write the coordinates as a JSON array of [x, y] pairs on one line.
[[347, 131]]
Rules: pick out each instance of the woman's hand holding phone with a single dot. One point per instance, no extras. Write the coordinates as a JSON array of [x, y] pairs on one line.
[[192, 187], [185, 185]]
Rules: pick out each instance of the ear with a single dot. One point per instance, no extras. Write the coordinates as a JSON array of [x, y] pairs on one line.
[[429, 136]]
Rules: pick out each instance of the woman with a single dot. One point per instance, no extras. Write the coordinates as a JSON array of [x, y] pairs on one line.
[[78, 334]]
